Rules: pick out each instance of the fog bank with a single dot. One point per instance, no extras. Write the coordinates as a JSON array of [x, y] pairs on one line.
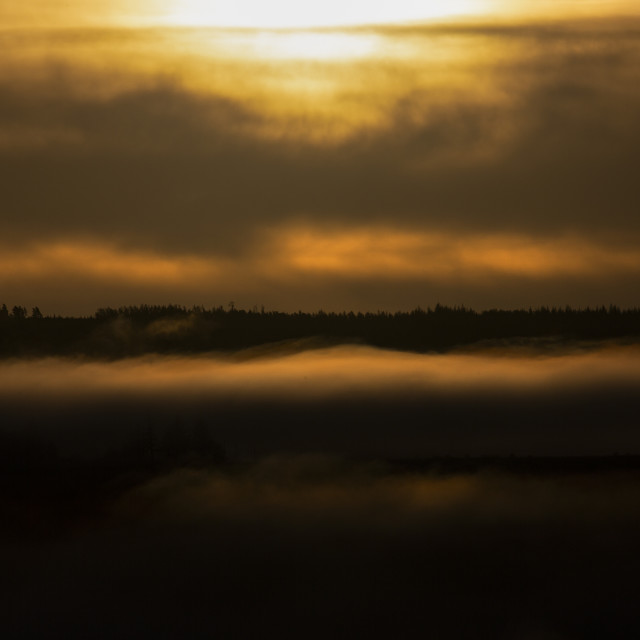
[[355, 400]]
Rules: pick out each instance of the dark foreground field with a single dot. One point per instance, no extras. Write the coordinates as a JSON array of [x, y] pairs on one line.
[[320, 546]]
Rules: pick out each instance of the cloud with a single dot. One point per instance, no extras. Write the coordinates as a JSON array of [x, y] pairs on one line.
[[278, 172], [454, 258], [95, 262], [293, 259], [544, 140]]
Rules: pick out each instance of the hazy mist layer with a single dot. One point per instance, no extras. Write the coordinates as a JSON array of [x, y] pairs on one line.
[[358, 401]]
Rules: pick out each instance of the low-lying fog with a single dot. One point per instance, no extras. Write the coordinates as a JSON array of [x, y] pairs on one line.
[[357, 400]]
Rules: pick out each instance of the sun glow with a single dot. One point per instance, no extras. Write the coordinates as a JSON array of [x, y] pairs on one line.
[[312, 44], [286, 14]]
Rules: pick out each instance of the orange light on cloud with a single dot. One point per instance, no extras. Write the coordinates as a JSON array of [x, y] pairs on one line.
[[292, 254], [312, 86], [387, 253], [101, 262]]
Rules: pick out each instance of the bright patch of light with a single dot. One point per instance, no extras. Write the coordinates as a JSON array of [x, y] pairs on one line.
[[274, 14], [313, 45]]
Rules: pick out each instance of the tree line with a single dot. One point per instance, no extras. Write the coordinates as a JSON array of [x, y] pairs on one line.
[[134, 330]]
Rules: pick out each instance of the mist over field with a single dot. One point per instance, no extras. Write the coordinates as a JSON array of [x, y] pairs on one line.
[[549, 400]]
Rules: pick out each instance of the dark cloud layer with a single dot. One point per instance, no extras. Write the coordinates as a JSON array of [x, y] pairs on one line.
[[538, 136], [144, 159]]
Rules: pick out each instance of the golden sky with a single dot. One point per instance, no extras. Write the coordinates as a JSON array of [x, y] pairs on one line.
[[334, 155], [290, 13]]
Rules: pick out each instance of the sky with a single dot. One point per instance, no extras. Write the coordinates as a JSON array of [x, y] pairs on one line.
[[336, 155]]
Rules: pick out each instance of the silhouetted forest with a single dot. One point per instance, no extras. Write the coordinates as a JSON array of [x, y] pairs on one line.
[[134, 330]]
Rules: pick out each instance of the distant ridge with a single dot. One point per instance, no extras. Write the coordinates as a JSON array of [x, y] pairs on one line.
[[136, 330]]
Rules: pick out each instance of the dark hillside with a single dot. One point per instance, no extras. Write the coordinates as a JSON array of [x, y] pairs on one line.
[[130, 331]]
